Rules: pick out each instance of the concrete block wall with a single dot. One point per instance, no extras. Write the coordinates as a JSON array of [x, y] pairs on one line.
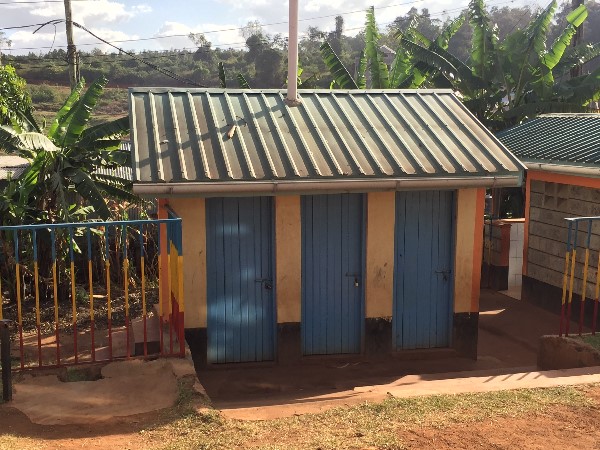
[[549, 204]]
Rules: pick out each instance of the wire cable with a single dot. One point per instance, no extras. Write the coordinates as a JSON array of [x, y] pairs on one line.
[[159, 69]]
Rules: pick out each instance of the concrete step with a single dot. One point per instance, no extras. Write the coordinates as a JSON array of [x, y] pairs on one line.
[[153, 333], [152, 329], [119, 345]]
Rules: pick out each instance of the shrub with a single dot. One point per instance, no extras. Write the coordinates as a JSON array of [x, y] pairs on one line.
[[42, 93]]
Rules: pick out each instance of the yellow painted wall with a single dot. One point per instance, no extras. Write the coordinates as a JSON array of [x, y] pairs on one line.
[[469, 241], [288, 256], [379, 264], [193, 214], [379, 288]]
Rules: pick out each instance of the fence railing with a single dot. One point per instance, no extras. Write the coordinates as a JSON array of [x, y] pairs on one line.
[[89, 292], [576, 227]]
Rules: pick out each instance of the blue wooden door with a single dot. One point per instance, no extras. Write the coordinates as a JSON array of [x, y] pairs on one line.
[[423, 269], [239, 268], [332, 282]]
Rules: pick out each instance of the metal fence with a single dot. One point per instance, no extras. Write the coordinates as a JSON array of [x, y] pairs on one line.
[[94, 291], [580, 227]]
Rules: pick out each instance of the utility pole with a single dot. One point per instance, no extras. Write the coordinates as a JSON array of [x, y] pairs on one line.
[[577, 39], [71, 49]]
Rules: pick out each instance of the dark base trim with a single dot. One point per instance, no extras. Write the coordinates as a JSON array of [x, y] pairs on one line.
[[378, 336], [465, 330], [494, 277], [289, 342], [377, 342], [549, 297], [197, 341]]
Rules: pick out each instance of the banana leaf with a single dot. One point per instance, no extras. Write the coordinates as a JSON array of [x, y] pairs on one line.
[[481, 42], [242, 81], [361, 79], [443, 39], [65, 110], [82, 111], [575, 56], [552, 57], [340, 74], [377, 67], [87, 188], [117, 127], [429, 57]]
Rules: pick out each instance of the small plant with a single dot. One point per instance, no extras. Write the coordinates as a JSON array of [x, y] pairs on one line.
[[42, 93]]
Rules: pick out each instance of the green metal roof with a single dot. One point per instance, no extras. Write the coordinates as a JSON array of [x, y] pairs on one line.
[[12, 167], [562, 139], [209, 136]]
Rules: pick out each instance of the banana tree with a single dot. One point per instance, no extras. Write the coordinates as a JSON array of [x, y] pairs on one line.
[[505, 82], [405, 71], [242, 82], [64, 159]]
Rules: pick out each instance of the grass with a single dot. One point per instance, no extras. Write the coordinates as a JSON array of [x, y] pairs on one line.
[[368, 424], [11, 442], [593, 340]]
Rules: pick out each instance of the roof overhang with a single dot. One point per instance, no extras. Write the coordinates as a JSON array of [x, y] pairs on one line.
[[298, 187], [564, 169], [200, 141]]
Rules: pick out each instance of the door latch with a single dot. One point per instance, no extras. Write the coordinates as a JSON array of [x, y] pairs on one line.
[[356, 277], [445, 273], [266, 282]]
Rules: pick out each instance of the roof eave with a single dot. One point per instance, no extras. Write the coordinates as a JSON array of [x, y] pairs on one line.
[[564, 168], [299, 187]]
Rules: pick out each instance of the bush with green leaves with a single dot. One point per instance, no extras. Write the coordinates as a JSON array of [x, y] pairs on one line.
[[42, 93], [14, 98]]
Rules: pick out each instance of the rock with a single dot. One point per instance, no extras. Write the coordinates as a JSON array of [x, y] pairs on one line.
[[566, 353]]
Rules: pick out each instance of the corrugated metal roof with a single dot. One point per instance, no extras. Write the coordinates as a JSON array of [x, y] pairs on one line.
[[215, 135], [124, 172], [12, 167], [568, 139]]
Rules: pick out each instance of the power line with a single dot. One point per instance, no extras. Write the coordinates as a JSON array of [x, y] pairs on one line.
[[33, 2], [165, 72], [211, 31], [22, 26], [438, 13]]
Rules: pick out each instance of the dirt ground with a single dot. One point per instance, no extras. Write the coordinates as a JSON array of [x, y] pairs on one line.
[[561, 427], [508, 340], [565, 428]]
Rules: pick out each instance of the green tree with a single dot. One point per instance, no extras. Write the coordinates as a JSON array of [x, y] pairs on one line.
[[267, 61], [404, 71], [508, 80], [14, 98], [203, 53], [523, 75]]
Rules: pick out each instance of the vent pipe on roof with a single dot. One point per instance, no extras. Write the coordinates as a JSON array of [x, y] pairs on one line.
[[292, 93]]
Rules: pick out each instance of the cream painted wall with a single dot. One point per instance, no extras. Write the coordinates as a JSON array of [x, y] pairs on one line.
[[469, 240], [288, 256], [193, 214], [379, 264], [379, 289]]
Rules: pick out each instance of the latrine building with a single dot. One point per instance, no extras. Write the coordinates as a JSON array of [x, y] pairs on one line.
[[351, 224], [562, 155]]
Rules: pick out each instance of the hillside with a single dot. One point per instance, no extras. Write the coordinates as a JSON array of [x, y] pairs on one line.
[[48, 99]]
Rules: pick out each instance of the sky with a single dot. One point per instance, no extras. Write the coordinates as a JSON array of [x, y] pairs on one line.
[[164, 24]]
